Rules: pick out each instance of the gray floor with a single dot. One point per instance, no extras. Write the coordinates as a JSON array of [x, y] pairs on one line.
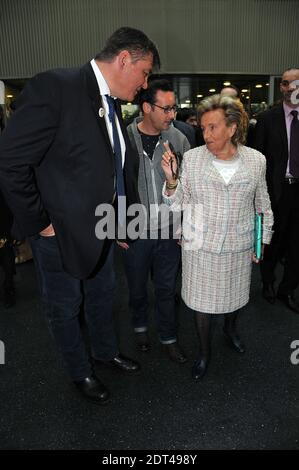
[[245, 402]]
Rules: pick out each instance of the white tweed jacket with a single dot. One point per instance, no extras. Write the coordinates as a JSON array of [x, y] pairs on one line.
[[227, 210]]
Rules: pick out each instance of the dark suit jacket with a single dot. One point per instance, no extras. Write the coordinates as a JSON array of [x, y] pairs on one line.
[[270, 138], [5, 218], [187, 130], [57, 164]]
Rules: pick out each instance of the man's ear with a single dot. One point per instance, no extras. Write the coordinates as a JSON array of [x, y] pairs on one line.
[[124, 58], [146, 108]]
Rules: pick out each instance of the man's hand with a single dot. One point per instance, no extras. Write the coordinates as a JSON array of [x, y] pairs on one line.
[[48, 231], [123, 245]]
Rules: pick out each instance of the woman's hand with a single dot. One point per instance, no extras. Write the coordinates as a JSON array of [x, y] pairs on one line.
[[257, 261], [169, 163]]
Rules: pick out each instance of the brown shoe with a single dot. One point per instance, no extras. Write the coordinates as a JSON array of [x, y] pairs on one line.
[[175, 353]]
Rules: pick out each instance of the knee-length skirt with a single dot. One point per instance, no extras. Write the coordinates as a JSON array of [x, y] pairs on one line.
[[216, 283]]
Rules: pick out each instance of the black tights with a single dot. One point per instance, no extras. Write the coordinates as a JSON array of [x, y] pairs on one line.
[[203, 326]]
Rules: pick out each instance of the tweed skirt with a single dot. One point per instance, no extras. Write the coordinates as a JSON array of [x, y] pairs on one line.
[[216, 283]]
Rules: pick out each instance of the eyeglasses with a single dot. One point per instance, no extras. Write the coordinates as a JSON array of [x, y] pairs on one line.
[[287, 83], [166, 109]]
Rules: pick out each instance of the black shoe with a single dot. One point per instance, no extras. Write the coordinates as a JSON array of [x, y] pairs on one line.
[[142, 341], [199, 368], [92, 389], [289, 301], [269, 293], [234, 341], [9, 298], [122, 363], [175, 353]]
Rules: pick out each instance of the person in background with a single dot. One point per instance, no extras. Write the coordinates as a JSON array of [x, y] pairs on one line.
[[222, 185], [152, 254], [276, 135], [7, 255], [230, 90], [64, 153], [188, 116]]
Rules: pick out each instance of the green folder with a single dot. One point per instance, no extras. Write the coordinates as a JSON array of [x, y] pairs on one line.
[[258, 235]]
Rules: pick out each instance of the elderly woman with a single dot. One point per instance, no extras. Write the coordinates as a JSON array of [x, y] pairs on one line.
[[221, 187]]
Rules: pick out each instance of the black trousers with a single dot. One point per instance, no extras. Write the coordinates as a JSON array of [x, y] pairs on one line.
[[7, 261], [285, 242], [62, 296]]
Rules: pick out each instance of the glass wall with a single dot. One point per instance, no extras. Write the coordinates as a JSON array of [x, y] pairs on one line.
[[257, 92]]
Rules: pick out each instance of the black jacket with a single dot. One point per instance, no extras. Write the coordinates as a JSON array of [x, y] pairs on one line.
[[270, 138], [57, 164], [5, 218]]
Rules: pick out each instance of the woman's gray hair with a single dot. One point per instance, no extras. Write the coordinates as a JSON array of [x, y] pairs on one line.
[[234, 114]]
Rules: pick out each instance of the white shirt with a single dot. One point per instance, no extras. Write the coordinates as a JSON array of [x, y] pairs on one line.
[[226, 168], [104, 90]]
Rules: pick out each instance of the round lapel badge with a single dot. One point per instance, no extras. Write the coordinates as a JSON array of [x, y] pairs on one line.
[[101, 112]]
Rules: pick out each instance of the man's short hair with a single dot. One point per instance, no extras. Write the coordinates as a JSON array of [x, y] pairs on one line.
[[185, 113], [132, 40], [233, 87], [149, 95]]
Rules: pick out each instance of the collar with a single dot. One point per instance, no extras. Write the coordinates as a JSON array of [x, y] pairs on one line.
[[287, 109], [103, 85]]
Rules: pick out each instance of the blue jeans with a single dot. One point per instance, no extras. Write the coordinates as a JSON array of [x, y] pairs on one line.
[[161, 258], [62, 296]]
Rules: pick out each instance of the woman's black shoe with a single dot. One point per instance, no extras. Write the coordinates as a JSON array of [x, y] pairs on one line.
[[199, 368]]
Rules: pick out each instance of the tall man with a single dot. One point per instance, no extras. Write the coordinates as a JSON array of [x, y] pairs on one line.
[[64, 152], [151, 254], [277, 137]]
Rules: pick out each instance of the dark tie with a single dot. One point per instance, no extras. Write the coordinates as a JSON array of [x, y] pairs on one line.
[[294, 145], [120, 185]]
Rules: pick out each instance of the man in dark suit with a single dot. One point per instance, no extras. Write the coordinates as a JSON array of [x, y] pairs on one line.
[[277, 137], [7, 255], [64, 152]]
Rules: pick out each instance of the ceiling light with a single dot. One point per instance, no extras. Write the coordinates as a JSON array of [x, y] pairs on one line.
[[258, 86], [212, 90], [226, 83], [245, 90]]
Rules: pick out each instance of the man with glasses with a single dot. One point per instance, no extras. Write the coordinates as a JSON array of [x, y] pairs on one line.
[[151, 254], [277, 137]]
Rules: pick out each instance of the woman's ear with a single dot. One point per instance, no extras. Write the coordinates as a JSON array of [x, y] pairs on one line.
[[233, 128]]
